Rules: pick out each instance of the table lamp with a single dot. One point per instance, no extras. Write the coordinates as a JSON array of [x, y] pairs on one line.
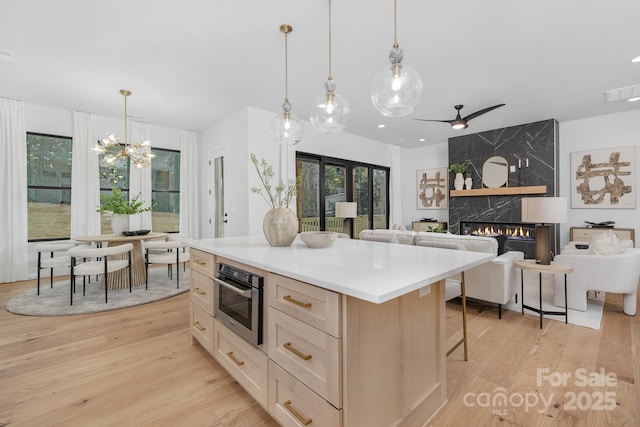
[[543, 211], [348, 210]]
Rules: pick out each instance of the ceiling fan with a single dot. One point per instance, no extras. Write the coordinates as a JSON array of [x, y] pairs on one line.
[[461, 123]]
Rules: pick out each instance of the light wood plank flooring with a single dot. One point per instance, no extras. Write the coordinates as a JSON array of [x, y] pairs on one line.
[[137, 367]]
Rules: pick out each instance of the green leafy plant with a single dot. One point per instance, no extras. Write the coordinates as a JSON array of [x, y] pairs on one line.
[[462, 168], [117, 205], [279, 197], [435, 229]]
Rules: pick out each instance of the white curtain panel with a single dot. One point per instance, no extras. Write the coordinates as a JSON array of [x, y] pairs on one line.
[[395, 196], [189, 207], [13, 191], [85, 179], [140, 179]]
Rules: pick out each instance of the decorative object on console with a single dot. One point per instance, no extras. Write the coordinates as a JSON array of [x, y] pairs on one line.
[[318, 239], [495, 172], [140, 153], [605, 224], [330, 111], [286, 129], [541, 211], [604, 178], [461, 123], [468, 183], [433, 187], [396, 90], [347, 210], [280, 224]]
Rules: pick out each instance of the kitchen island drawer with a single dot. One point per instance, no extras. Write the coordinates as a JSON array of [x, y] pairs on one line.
[[244, 362], [292, 403], [202, 327], [312, 305], [203, 262], [310, 355], [201, 291]]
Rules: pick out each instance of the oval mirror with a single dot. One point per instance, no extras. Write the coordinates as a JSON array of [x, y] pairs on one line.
[[495, 172]]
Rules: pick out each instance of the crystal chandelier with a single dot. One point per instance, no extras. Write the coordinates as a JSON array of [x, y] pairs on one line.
[[140, 153], [330, 111], [286, 129], [397, 89]]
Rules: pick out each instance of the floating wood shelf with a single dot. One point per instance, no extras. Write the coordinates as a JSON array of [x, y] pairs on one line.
[[501, 191]]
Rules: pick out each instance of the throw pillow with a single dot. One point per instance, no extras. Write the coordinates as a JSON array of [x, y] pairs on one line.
[[605, 243]]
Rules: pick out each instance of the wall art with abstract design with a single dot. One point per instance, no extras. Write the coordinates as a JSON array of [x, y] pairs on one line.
[[604, 178], [432, 188]]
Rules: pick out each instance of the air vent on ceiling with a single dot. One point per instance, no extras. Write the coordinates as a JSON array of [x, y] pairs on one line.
[[622, 94]]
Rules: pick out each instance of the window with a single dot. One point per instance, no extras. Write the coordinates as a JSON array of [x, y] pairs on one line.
[[48, 187], [326, 181], [165, 187]]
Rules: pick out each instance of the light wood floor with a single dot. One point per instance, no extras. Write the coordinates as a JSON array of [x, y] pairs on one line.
[[136, 367]]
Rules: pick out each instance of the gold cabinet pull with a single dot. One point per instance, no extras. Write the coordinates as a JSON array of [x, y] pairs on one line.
[[235, 360], [296, 302], [199, 326], [302, 356], [305, 421], [197, 261], [200, 291]]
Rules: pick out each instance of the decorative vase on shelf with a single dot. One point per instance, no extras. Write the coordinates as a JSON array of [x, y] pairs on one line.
[[280, 226], [458, 183], [119, 223], [468, 182]]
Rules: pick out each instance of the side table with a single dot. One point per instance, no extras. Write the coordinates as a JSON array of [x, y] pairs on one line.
[[553, 268]]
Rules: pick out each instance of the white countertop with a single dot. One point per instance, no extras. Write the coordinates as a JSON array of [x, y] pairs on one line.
[[372, 271]]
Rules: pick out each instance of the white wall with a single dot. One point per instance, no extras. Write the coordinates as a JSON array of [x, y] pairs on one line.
[[609, 131], [429, 157]]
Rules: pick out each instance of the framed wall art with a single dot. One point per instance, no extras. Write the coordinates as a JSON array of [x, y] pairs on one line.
[[604, 178], [432, 188]]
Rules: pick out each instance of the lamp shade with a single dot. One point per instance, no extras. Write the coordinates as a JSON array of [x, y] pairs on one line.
[[541, 210], [346, 209]]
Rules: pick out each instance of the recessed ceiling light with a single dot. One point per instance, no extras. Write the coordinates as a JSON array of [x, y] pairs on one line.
[[7, 55], [381, 126], [636, 59], [422, 140], [634, 99]]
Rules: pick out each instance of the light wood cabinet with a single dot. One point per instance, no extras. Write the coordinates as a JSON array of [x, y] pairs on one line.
[[246, 363], [203, 262], [201, 298], [586, 233], [201, 327], [201, 291]]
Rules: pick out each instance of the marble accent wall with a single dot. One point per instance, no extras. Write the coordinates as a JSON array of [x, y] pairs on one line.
[[531, 151]]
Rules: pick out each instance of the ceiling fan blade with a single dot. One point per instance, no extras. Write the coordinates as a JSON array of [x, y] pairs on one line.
[[481, 112], [440, 121]]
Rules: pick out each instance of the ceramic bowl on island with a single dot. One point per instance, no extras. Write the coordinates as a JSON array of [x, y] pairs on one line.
[[318, 239]]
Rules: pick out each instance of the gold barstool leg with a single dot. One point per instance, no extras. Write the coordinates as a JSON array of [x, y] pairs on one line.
[[464, 322]]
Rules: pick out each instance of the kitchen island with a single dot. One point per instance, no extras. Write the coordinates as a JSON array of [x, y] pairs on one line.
[[354, 333]]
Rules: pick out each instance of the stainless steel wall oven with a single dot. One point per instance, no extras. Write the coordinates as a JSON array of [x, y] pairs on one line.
[[238, 301]]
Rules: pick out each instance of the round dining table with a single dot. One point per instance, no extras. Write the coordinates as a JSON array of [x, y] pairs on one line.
[[120, 279]]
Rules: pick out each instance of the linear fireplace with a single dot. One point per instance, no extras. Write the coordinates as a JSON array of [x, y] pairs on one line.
[[517, 236]]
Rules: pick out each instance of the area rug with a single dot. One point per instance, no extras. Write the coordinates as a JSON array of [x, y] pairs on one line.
[[589, 319], [55, 302]]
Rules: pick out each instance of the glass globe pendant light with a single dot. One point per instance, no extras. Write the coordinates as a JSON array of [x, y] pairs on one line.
[[286, 129], [330, 111], [396, 89]]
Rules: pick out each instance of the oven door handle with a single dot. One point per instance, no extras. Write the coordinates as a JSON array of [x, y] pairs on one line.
[[246, 294]]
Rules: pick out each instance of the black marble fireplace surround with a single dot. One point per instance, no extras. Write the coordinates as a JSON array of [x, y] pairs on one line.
[[531, 151]]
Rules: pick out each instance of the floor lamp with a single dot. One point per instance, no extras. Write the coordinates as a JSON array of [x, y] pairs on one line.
[[347, 210], [543, 211]]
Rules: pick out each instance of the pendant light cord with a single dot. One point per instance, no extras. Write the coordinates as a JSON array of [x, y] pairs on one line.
[[286, 68], [395, 23], [330, 76], [126, 139]]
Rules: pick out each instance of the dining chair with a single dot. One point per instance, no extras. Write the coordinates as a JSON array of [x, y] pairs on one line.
[[54, 260], [164, 252], [102, 260]]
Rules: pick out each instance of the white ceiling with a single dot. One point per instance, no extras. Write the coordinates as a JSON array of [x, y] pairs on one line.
[[191, 62]]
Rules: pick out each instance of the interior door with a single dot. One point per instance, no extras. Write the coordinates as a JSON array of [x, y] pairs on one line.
[[217, 214]]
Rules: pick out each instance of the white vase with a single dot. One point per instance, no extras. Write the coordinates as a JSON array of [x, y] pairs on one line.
[[468, 182], [458, 183], [119, 223], [280, 226]]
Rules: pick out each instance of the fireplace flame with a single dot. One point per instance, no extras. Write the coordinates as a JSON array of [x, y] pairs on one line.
[[516, 232]]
